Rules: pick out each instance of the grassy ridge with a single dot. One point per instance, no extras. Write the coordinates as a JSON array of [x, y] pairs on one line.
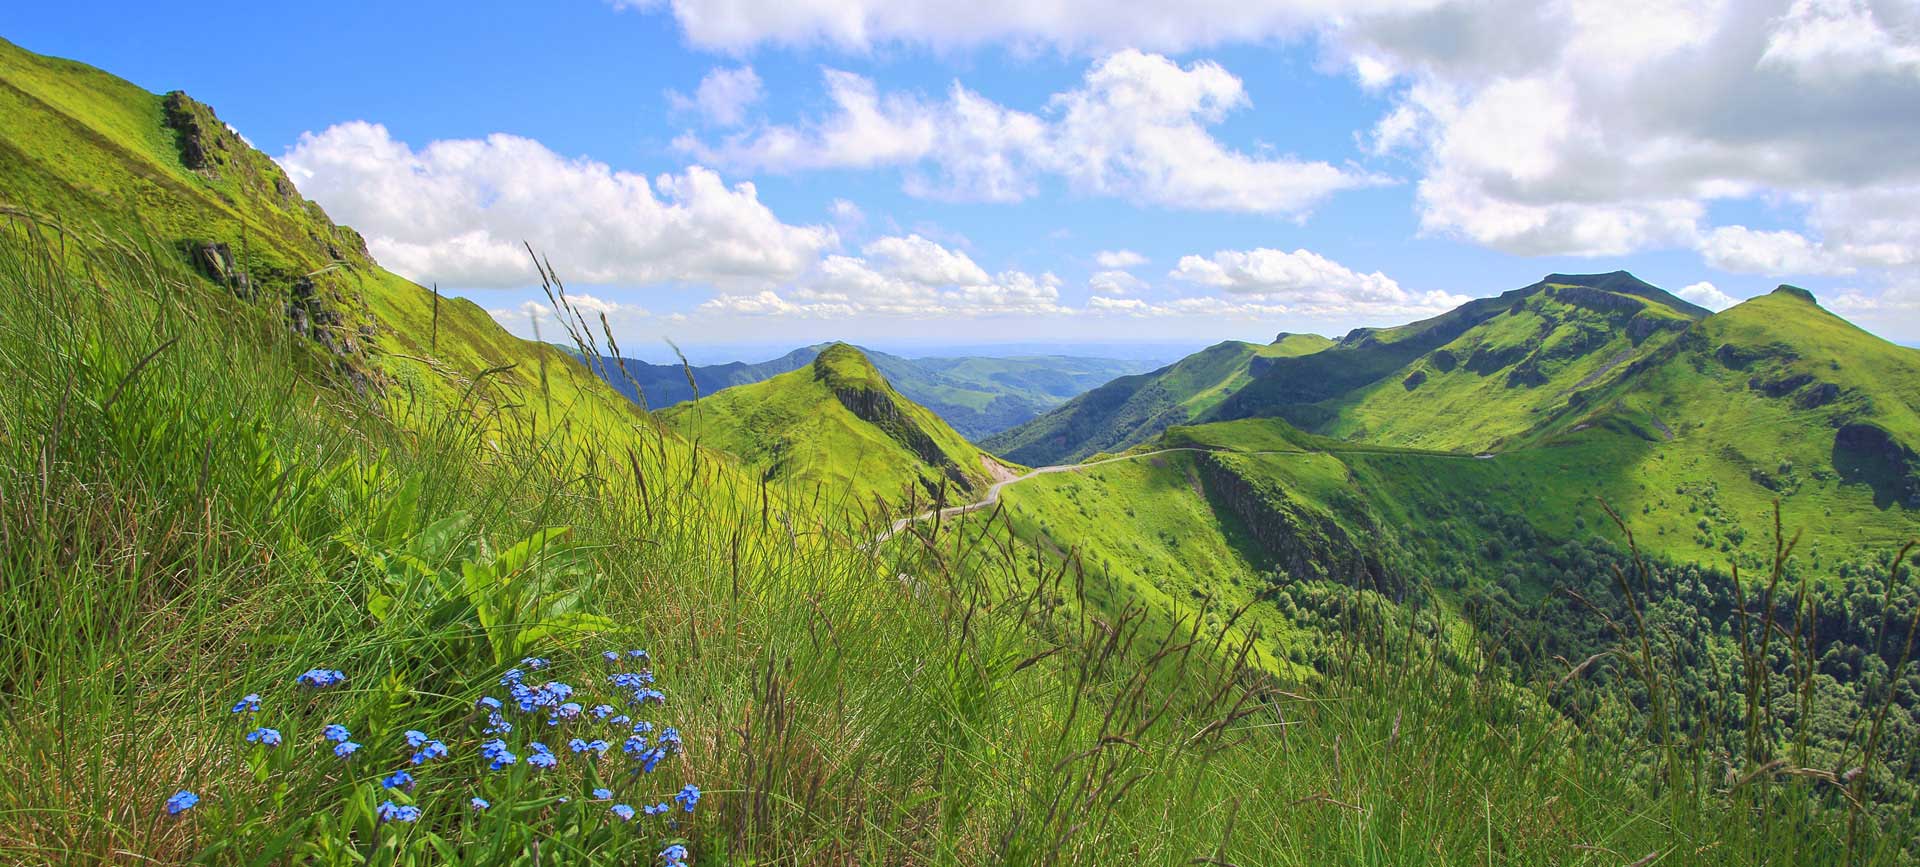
[[1134, 409]]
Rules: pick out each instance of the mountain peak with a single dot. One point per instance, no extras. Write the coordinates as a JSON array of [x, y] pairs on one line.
[[1792, 291], [841, 364]]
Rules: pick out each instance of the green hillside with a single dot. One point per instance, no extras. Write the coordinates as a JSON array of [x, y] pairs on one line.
[[1134, 409], [976, 395], [836, 427], [283, 531]]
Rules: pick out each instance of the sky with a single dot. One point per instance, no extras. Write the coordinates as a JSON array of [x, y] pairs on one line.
[[772, 173]]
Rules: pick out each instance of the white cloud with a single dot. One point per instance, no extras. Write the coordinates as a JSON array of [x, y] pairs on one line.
[[1305, 283], [1135, 128], [723, 96], [1738, 248], [903, 276], [1116, 283], [1116, 259], [1708, 295], [589, 306], [735, 25], [456, 212]]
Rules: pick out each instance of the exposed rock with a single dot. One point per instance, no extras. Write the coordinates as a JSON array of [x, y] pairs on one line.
[[1301, 542], [1599, 299], [1821, 394], [1414, 379], [1486, 360], [1737, 357], [1644, 325], [1526, 374], [1780, 387], [1443, 360]]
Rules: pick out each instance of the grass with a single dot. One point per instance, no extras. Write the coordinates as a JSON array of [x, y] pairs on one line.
[[1133, 409]]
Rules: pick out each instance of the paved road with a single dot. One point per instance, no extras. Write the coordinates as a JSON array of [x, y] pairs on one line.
[[993, 493]]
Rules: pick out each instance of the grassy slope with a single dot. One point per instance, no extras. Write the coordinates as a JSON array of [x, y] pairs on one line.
[[836, 426], [190, 526], [1133, 409]]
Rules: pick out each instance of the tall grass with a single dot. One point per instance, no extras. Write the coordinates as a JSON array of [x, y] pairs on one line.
[[190, 511]]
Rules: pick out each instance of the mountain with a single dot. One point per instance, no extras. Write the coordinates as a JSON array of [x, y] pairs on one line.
[[1132, 409], [977, 395], [838, 426]]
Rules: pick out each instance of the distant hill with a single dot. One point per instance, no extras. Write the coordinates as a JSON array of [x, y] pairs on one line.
[[977, 395], [839, 425], [1133, 409]]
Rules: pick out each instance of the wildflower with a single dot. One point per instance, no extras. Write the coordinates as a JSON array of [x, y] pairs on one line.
[[320, 678], [336, 732], [398, 780], [248, 703], [429, 751], [624, 812], [542, 761], [534, 662], [651, 759], [610, 656], [659, 809], [602, 794], [601, 711], [670, 740], [495, 751], [577, 745], [416, 738], [598, 746], [634, 746], [264, 735], [498, 725], [479, 804], [181, 802], [512, 677], [642, 727], [346, 749], [488, 702], [688, 797], [392, 812], [674, 855], [567, 710], [620, 720], [637, 654]]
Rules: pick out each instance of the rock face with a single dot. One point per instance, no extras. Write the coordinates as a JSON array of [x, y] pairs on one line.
[[197, 138], [878, 408], [1304, 544]]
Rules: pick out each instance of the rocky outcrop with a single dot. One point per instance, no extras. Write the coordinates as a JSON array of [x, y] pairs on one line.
[[878, 408], [1414, 380], [196, 133], [1780, 386], [1444, 360], [215, 260], [1598, 299], [1819, 395], [1299, 541], [1645, 325]]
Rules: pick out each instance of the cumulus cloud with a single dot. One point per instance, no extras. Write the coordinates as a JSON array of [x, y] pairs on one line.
[[1708, 295], [1135, 128], [1738, 248], [902, 276], [1304, 282], [456, 212], [1119, 259], [540, 314], [723, 96], [1115, 283]]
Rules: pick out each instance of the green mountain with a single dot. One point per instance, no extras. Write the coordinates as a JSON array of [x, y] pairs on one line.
[[1133, 409], [977, 395], [838, 426], [238, 450]]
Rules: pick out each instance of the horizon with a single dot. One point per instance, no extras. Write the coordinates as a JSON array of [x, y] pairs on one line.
[[763, 179]]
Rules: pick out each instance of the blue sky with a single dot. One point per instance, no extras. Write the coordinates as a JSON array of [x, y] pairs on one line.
[[771, 173]]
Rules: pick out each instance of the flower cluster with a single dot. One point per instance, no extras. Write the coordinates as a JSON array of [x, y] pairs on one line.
[[589, 725]]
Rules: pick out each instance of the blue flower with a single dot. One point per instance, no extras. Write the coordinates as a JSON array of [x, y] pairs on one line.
[[534, 662], [346, 749], [602, 794], [181, 802], [488, 702], [498, 725], [637, 654], [429, 751], [659, 809], [642, 727], [577, 745], [620, 720], [688, 796], [264, 735], [542, 761], [248, 703], [495, 751], [336, 732], [634, 745], [392, 812], [511, 677], [479, 803], [601, 711], [320, 678], [624, 812], [670, 740], [398, 780], [598, 746], [674, 855], [610, 656], [416, 738]]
